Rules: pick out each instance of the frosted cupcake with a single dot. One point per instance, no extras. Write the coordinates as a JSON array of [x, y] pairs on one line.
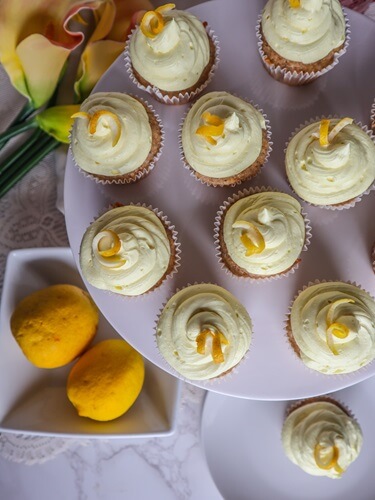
[[321, 437], [300, 40], [171, 55], [331, 162], [331, 327], [116, 137], [224, 140], [129, 250], [203, 332], [260, 235]]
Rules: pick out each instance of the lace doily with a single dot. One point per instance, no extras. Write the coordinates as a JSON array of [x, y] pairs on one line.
[[33, 449]]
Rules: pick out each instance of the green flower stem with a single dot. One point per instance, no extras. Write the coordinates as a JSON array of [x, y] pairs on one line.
[[17, 129], [25, 112], [32, 157], [12, 158]]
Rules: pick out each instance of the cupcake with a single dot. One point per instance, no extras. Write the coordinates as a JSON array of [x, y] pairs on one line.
[[321, 437], [116, 137], [331, 162], [260, 234], [331, 327], [171, 55], [224, 139], [299, 40], [129, 250], [203, 331]]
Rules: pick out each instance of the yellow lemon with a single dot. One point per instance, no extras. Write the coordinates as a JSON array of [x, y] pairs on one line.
[[54, 325], [106, 380]]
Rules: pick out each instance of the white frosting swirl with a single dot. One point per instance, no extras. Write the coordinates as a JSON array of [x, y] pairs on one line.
[[239, 145], [305, 34], [94, 153], [189, 312], [175, 59], [277, 216], [143, 258], [333, 174], [309, 327], [326, 425]]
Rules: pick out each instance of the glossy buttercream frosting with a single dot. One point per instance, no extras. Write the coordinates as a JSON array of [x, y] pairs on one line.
[[141, 259], [306, 33], [175, 58], [332, 174], [277, 217], [96, 152], [333, 325], [239, 143], [195, 319], [321, 438]]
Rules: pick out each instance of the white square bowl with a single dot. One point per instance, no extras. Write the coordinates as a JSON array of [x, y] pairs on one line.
[[33, 400]]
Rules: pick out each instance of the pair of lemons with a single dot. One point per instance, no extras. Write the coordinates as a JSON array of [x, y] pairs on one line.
[[55, 325]]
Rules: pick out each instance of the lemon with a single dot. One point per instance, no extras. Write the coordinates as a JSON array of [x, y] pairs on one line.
[[54, 325], [106, 380]]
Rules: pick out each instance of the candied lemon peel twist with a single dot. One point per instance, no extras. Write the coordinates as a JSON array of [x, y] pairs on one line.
[[213, 127], [325, 136], [327, 458], [334, 329], [218, 339], [153, 22], [251, 238], [295, 4], [108, 245], [112, 121]]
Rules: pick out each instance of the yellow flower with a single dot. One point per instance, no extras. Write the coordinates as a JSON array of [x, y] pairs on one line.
[[57, 121], [113, 20], [36, 41]]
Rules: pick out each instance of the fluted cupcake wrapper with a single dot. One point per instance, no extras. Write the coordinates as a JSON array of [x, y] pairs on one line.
[[297, 78], [372, 116], [214, 381], [373, 257], [171, 230], [220, 218], [288, 330], [345, 204], [294, 405], [191, 169], [130, 177], [183, 97]]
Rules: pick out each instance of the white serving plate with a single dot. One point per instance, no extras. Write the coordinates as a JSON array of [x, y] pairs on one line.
[[241, 440], [33, 400], [341, 242]]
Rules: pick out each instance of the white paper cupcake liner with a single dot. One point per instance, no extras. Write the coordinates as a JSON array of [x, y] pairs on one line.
[[219, 220], [193, 172], [373, 257], [171, 231], [372, 116], [142, 172], [343, 205], [298, 77], [206, 382], [183, 97], [287, 328], [325, 398]]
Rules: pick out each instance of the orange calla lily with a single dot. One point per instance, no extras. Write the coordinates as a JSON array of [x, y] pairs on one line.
[[36, 41], [114, 20]]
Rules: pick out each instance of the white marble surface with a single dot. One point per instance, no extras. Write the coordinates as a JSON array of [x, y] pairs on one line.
[[166, 468]]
